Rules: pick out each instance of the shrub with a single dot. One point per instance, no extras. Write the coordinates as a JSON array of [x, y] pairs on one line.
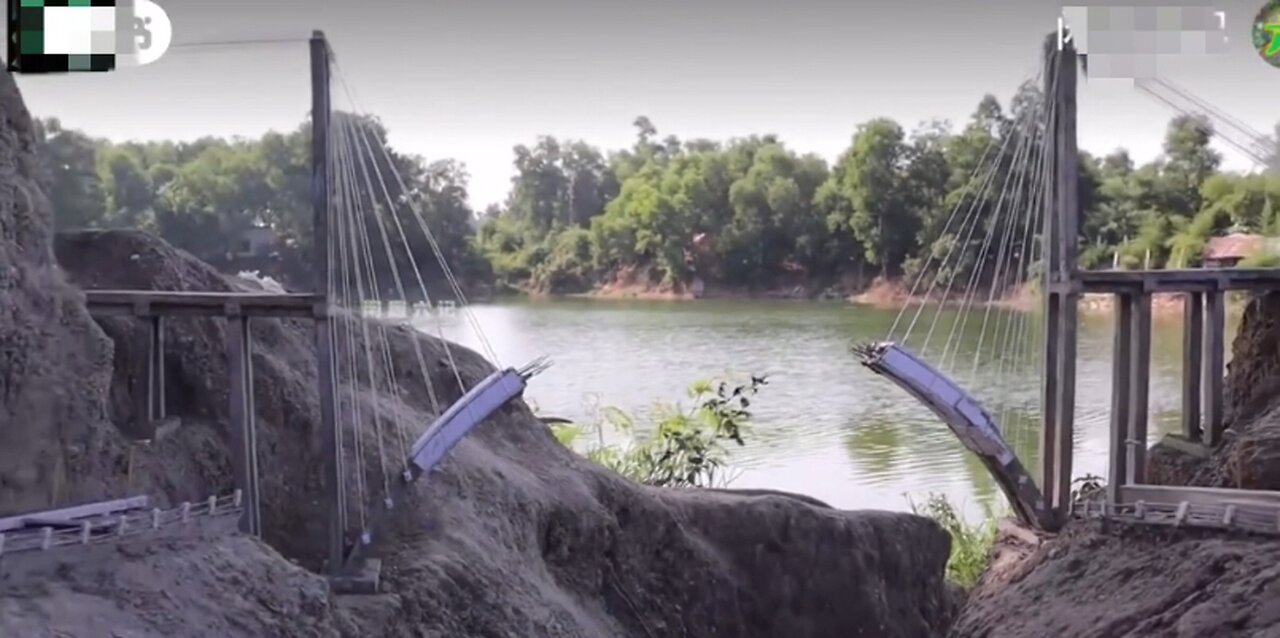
[[970, 543], [682, 447]]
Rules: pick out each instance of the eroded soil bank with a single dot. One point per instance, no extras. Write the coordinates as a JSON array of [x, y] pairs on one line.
[[515, 536]]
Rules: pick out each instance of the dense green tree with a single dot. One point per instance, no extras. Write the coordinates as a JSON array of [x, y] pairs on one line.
[[71, 180], [952, 205], [203, 196]]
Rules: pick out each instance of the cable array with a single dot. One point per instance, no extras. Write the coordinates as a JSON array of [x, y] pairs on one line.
[[378, 229], [1250, 143], [988, 248]]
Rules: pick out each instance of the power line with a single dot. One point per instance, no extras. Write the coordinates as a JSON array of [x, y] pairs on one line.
[[236, 43]]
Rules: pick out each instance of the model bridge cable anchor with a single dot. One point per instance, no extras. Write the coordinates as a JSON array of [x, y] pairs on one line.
[[966, 418]]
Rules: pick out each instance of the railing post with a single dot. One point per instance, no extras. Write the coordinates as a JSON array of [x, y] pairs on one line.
[[155, 369], [1121, 377], [1214, 365], [1192, 364], [244, 452], [1139, 387]]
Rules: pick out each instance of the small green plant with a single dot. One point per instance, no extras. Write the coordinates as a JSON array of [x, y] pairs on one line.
[[682, 447], [970, 543]]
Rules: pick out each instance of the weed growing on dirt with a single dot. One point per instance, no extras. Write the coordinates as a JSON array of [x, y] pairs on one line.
[[970, 542], [679, 447]]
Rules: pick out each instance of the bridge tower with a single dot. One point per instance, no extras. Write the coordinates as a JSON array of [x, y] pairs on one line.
[[324, 329], [1129, 493], [1061, 286]]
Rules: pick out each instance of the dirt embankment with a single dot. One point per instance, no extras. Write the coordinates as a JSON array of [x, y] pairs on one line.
[[639, 283], [1134, 582], [1131, 581], [513, 536], [54, 361], [879, 292], [1164, 306]]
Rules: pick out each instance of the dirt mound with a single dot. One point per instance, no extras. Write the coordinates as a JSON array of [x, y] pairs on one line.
[[1249, 458], [142, 588], [55, 364], [597, 555], [1128, 581], [1151, 581], [514, 536], [187, 458]]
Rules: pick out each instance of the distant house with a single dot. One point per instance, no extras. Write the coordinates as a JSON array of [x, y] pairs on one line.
[[699, 248], [1229, 250], [254, 242]]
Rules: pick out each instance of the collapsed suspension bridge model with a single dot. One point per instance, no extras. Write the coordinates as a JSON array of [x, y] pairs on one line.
[[994, 249], [1013, 227], [1040, 191]]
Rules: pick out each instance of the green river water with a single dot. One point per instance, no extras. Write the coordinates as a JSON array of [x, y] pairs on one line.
[[825, 426]]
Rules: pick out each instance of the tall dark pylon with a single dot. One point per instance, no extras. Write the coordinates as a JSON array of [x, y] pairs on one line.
[[1061, 281], [332, 442]]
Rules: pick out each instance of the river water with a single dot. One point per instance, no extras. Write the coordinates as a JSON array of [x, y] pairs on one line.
[[824, 425]]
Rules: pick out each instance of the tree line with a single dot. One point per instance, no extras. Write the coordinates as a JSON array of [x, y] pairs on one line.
[[207, 196], [744, 213]]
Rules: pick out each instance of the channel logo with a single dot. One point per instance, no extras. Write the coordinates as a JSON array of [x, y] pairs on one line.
[[64, 36]]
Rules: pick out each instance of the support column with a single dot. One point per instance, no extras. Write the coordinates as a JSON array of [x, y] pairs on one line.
[[1192, 364], [1048, 400], [1139, 387], [330, 432], [1215, 369], [1061, 233], [1121, 403], [244, 436], [155, 370]]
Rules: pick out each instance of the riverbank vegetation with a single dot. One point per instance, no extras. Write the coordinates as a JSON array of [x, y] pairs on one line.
[[245, 204], [676, 446], [971, 542], [672, 445], [741, 214]]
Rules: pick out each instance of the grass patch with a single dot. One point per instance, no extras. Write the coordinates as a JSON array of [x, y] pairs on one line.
[[970, 542]]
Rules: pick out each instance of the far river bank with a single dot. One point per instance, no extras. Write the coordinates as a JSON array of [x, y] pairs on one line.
[[881, 294]]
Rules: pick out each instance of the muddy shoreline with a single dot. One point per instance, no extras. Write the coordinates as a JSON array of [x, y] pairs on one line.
[[890, 296]]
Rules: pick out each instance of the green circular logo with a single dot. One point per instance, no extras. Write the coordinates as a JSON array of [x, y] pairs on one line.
[[1266, 33]]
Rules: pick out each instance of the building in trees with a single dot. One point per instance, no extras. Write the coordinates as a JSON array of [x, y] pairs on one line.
[[258, 241], [1228, 251]]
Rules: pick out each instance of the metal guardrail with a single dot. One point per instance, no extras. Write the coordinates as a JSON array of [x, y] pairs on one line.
[[1251, 518], [112, 528]]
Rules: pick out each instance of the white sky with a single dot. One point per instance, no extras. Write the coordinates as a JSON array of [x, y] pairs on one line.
[[469, 80]]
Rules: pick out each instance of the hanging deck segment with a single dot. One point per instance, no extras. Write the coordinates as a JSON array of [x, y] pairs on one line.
[[966, 418], [466, 413], [479, 403]]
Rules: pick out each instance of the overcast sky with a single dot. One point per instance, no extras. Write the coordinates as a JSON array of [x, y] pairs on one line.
[[468, 79]]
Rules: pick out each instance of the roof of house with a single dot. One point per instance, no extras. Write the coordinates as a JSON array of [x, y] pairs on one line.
[[1233, 246]]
